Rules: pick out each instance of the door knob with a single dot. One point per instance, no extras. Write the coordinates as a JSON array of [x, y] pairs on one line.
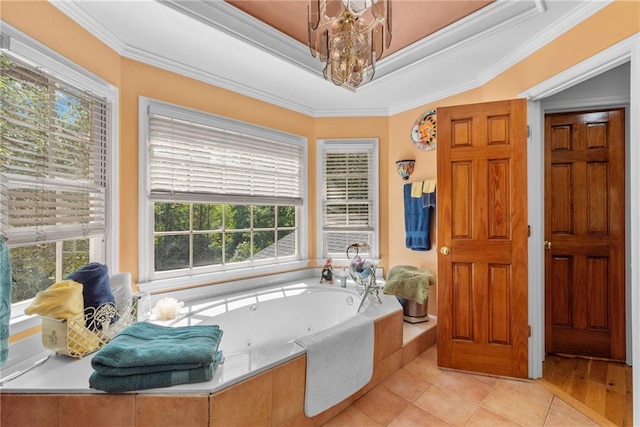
[[445, 250], [547, 245]]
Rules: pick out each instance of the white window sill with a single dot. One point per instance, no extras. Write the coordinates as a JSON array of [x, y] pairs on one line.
[[168, 284]]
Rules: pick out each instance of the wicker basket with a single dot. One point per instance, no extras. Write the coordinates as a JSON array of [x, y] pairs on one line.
[[77, 338]]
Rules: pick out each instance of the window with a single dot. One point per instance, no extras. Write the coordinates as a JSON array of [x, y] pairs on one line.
[[219, 196], [192, 235], [348, 196], [55, 176]]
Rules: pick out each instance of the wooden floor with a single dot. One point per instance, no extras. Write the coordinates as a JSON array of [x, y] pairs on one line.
[[604, 387]]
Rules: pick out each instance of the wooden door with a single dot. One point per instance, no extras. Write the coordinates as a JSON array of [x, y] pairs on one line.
[[482, 236], [585, 234]]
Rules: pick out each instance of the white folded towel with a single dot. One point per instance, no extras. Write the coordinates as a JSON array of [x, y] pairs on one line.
[[339, 362], [122, 292]]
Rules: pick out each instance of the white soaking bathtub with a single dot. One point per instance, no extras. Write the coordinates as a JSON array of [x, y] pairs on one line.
[[260, 327], [276, 317], [259, 331]]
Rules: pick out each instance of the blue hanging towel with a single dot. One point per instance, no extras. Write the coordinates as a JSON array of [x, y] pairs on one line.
[[416, 222], [5, 300]]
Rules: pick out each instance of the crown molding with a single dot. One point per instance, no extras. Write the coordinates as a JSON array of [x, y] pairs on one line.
[[89, 23], [610, 58], [585, 10], [488, 21], [152, 58], [41, 56], [242, 26], [435, 96]]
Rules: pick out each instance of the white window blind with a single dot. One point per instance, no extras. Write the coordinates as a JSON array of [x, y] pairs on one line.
[[348, 191], [196, 157], [348, 196], [53, 172]]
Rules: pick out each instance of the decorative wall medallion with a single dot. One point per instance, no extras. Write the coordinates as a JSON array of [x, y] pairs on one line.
[[423, 133]]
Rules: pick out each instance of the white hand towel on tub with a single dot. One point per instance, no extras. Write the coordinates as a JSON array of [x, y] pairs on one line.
[[339, 362], [122, 292]]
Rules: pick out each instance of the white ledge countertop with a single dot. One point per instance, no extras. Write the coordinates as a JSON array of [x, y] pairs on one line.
[[57, 373]]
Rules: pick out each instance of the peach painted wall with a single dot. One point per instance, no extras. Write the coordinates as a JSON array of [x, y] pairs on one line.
[[611, 25], [45, 23], [54, 29], [359, 127], [139, 79]]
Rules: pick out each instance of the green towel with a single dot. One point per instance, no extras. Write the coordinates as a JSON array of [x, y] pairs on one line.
[[144, 348], [120, 384], [409, 282]]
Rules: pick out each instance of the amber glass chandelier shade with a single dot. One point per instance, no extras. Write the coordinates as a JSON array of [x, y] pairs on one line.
[[348, 37]]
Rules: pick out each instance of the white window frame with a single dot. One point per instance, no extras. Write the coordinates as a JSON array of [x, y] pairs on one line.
[[365, 144], [38, 55], [149, 279]]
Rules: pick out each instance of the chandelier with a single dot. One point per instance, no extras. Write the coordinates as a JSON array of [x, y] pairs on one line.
[[348, 37]]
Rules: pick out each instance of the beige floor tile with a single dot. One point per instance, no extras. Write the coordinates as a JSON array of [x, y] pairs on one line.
[[484, 417], [523, 402], [351, 417], [299, 420], [528, 389], [442, 397], [431, 353], [413, 416], [424, 367], [381, 404], [405, 385], [469, 386], [489, 379], [562, 414], [446, 405]]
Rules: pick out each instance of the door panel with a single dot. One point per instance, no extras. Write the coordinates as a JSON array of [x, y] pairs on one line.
[[482, 220], [584, 223]]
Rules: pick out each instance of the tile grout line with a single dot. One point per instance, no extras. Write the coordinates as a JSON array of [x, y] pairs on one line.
[[546, 418]]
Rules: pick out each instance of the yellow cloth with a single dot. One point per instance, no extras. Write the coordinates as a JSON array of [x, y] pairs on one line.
[[419, 187], [416, 189], [62, 300], [429, 186]]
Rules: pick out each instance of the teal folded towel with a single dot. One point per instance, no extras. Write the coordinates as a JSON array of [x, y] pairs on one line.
[[144, 348], [5, 300], [120, 384]]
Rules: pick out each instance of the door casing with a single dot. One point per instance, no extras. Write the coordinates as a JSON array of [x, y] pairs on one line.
[[627, 50]]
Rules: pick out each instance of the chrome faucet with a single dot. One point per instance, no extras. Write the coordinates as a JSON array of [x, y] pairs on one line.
[[370, 288], [363, 272]]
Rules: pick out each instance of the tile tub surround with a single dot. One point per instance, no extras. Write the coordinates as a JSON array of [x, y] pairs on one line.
[[274, 397], [62, 374], [274, 390]]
